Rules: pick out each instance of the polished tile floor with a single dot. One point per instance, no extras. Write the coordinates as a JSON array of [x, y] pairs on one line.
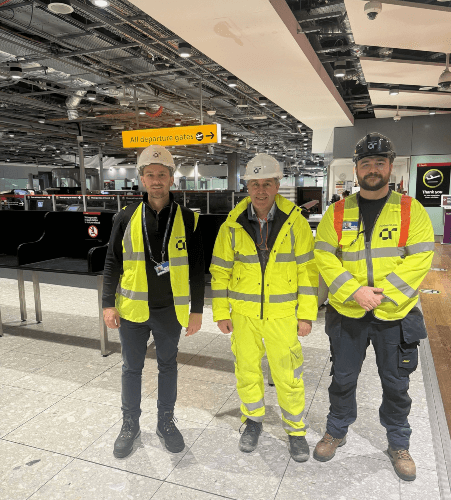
[[60, 414]]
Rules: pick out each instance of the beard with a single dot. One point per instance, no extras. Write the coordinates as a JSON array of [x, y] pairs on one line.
[[368, 185]]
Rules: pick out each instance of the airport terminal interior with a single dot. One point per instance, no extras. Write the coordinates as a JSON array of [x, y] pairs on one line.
[[85, 86]]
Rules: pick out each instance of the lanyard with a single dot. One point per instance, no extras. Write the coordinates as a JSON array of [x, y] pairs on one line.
[[163, 249]]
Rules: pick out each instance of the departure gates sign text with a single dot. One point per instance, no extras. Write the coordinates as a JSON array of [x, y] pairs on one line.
[[173, 136]]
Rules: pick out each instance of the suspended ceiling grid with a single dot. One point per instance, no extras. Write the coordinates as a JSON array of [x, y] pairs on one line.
[[257, 41]]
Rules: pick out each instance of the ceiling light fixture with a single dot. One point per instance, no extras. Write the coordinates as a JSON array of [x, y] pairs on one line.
[[340, 69], [263, 101], [91, 95], [15, 71], [393, 91], [211, 112], [397, 117], [178, 122], [232, 81], [41, 118], [60, 7], [283, 115], [142, 110], [432, 111], [242, 103], [101, 3], [185, 49]]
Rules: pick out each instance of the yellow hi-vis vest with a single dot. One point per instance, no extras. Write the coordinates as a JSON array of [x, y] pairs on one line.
[[389, 261], [132, 292]]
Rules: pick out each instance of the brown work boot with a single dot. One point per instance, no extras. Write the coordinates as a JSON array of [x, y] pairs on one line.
[[325, 449], [403, 463]]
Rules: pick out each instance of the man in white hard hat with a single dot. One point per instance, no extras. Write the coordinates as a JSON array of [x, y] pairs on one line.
[[263, 267], [155, 257]]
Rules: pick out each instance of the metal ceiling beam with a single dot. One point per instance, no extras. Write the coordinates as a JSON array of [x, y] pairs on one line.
[[83, 52], [316, 17]]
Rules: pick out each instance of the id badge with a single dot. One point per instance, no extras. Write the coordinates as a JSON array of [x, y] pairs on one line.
[[350, 226], [162, 268]]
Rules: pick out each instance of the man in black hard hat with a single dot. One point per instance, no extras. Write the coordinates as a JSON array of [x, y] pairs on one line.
[[373, 250]]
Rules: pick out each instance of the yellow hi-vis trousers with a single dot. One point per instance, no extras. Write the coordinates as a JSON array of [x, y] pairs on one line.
[[285, 358]]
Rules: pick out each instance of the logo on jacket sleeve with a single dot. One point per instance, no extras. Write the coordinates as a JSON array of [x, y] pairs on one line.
[[181, 245], [386, 234]]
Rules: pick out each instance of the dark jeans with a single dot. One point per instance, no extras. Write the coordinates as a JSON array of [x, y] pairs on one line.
[[349, 339], [134, 336]]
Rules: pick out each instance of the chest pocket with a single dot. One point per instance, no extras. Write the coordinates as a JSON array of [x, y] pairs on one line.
[[350, 230]]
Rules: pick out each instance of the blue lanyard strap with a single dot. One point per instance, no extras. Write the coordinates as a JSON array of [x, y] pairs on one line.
[[166, 232]]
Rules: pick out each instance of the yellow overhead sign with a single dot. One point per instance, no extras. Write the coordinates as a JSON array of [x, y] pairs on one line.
[[173, 136]]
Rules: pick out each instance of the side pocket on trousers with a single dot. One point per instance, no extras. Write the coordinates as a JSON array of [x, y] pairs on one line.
[[297, 360], [408, 358]]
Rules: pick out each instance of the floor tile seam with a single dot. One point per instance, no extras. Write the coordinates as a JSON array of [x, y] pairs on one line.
[[37, 448], [281, 479], [48, 480], [193, 489], [38, 368], [56, 402]]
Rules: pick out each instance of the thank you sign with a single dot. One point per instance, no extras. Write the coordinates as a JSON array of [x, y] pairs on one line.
[[432, 183]]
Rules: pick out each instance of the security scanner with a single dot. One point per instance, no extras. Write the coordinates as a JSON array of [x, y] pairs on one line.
[[71, 243]]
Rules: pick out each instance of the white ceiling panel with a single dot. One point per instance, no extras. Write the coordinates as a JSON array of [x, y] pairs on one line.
[[257, 41], [402, 25], [390, 113], [401, 72], [423, 99]]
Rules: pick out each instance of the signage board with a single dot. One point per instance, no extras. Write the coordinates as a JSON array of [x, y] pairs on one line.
[[172, 136], [446, 201], [447, 228], [432, 183]]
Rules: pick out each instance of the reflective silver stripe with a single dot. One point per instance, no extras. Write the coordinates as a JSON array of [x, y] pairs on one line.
[[293, 241], [232, 231], [219, 294], [127, 242], [414, 295], [247, 259], [340, 281], [181, 301], [291, 417], [255, 419], [387, 252], [297, 373], [244, 296], [286, 297], [322, 245], [255, 406], [134, 256], [179, 261], [401, 285], [217, 261], [352, 256], [302, 259], [288, 427], [307, 290], [420, 247], [129, 294], [285, 257]]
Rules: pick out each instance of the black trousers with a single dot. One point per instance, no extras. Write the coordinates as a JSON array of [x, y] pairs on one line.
[[166, 331], [395, 359]]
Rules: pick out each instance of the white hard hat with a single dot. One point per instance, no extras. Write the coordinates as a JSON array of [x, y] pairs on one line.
[[155, 155], [263, 166]]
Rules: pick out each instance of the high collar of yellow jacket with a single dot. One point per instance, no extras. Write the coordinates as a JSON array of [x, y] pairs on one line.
[[286, 206]]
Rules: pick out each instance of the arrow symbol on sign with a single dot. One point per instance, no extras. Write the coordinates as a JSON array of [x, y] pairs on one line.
[[211, 135]]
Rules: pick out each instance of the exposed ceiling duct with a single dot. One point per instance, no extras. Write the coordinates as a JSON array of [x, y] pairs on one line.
[[73, 102]]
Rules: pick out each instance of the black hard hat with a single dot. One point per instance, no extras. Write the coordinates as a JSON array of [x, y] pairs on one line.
[[374, 144]]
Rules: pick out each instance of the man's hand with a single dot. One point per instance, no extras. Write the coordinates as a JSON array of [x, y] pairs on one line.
[[194, 324], [111, 317], [225, 325], [368, 297], [304, 327]]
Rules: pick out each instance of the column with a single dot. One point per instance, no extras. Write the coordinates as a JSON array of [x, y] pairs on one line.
[[233, 172]]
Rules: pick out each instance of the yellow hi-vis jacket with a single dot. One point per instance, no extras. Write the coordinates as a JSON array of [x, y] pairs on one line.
[[290, 277], [131, 296], [350, 263]]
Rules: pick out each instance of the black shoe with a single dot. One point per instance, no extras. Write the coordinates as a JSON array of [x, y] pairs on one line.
[[299, 449], [166, 429], [249, 438], [129, 432]]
